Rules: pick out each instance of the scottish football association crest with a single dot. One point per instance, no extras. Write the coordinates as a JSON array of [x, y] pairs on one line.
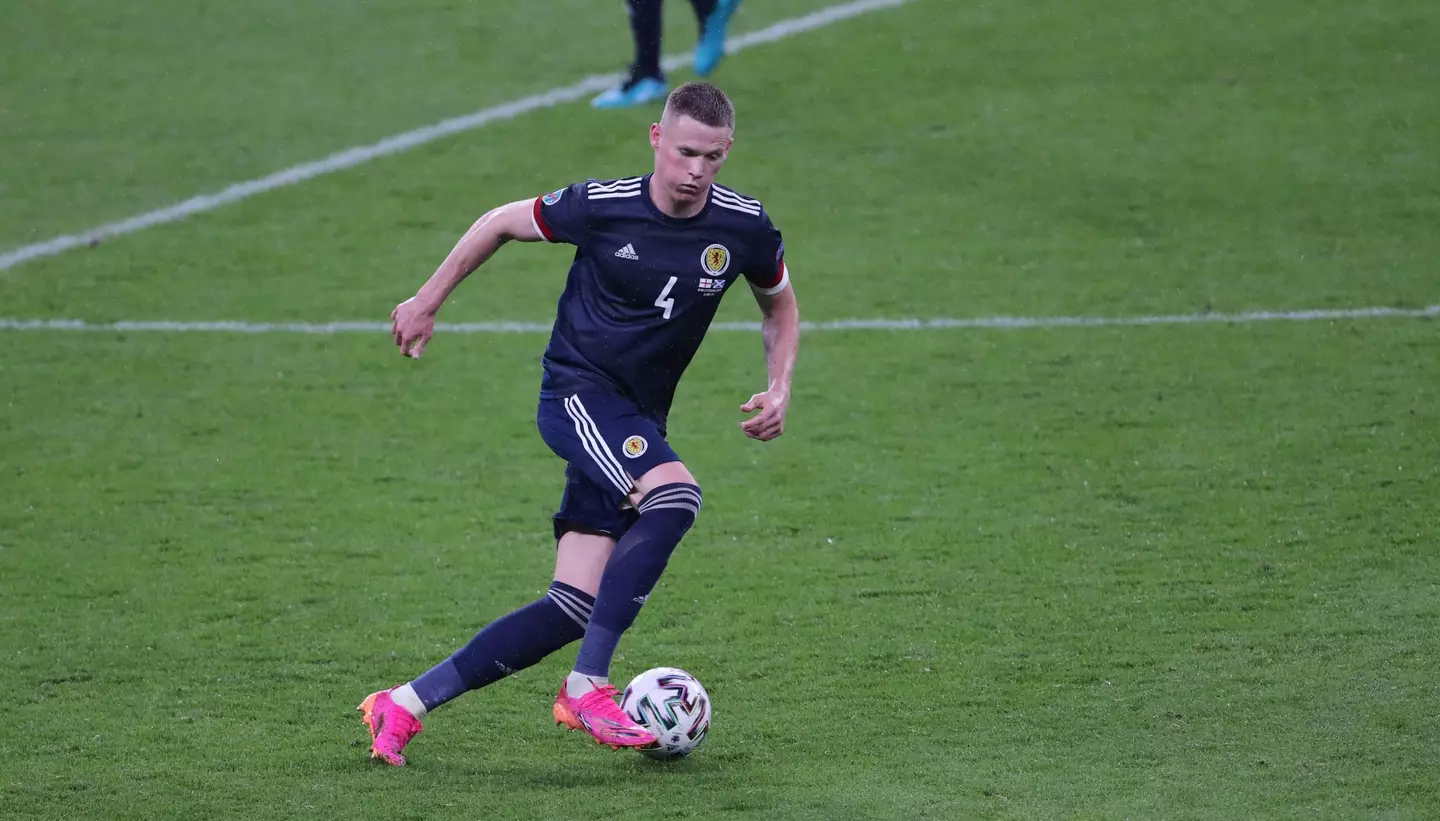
[[635, 447], [715, 260]]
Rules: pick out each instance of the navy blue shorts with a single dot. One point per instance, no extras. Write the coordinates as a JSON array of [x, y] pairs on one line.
[[607, 444]]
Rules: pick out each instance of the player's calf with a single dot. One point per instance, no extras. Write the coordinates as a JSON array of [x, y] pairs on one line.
[[510, 643], [666, 513]]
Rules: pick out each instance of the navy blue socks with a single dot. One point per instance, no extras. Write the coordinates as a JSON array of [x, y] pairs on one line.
[[666, 514], [525, 636], [510, 643]]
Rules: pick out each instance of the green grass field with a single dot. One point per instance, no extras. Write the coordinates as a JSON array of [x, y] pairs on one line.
[[1178, 571]]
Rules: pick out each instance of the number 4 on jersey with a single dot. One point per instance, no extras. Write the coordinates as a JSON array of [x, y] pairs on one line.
[[665, 300]]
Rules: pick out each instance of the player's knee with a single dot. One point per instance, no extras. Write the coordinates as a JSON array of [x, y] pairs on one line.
[[679, 499], [668, 473]]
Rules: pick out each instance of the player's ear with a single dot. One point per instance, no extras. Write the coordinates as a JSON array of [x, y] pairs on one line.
[[655, 136]]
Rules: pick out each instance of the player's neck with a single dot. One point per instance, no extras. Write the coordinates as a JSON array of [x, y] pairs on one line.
[[678, 210]]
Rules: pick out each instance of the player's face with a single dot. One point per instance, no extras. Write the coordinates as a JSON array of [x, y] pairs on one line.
[[688, 155]]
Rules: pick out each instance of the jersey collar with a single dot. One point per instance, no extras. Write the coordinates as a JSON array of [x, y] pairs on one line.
[[655, 209]]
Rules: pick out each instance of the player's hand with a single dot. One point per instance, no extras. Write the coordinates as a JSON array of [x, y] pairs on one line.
[[770, 422], [412, 325]]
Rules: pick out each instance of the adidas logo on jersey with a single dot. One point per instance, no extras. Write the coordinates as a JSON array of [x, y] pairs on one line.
[[628, 252]]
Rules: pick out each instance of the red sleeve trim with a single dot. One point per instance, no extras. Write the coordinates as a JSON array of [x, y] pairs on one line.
[[778, 277], [540, 225]]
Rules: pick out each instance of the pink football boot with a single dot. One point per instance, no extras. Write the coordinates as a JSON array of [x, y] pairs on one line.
[[597, 714], [391, 727]]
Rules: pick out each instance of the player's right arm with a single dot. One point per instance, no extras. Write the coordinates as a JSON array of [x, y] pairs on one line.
[[413, 321]]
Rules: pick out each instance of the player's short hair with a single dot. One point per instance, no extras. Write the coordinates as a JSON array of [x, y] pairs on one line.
[[703, 103]]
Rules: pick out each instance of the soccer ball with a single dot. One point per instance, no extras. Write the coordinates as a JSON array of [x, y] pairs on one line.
[[673, 705]]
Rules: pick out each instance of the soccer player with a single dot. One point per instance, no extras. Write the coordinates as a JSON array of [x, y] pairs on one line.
[[653, 256], [646, 82]]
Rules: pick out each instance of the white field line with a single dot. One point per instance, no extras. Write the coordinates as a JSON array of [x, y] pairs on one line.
[[157, 326], [351, 157]]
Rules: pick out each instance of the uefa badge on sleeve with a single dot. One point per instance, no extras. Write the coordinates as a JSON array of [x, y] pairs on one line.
[[553, 197]]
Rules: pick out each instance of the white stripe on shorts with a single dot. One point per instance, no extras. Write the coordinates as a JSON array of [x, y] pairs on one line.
[[594, 443]]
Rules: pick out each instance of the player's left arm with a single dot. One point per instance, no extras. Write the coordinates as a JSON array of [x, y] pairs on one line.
[[780, 325], [413, 321]]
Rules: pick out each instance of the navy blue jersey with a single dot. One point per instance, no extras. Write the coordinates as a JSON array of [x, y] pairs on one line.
[[644, 287]]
